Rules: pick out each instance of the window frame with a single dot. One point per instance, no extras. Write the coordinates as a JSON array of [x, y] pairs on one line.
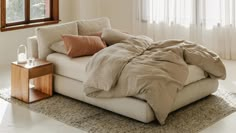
[[27, 23]]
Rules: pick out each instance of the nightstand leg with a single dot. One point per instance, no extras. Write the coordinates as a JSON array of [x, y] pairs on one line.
[[19, 83], [44, 84]]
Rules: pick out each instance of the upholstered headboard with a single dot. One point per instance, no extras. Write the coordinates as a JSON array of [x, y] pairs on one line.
[[39, 46]]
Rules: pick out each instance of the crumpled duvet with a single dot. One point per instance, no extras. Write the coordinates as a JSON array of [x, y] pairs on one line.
[[159, 69]]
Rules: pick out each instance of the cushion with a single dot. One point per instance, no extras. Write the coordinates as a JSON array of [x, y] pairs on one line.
[[99, 34], [195, 74], [111, 36], [78, 46], [88, 27], [52, 34], [73, 68], [59, 47]]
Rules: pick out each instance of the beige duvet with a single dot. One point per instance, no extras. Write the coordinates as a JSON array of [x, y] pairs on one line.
[[137, 66]]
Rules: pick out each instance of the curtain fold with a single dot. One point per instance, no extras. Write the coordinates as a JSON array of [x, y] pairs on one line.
[[207, 22]]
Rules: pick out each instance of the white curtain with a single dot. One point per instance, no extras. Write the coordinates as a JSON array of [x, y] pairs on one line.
[[211, 23]]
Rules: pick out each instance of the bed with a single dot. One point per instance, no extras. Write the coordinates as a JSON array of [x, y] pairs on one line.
[[69, 78], [70, 74]]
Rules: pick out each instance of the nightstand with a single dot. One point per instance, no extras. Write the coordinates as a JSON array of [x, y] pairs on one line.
[[40, 73]]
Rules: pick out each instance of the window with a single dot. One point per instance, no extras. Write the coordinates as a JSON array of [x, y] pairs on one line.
[[18, 14], [168, 11], [208, 13]]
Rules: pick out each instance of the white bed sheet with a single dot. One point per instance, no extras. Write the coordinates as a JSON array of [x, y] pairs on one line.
[[74, 68]]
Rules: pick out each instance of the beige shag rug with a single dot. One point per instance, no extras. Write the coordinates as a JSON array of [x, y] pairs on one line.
[[190, 119]]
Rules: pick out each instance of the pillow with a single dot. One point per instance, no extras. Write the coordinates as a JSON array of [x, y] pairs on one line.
[[87, 27], [59, 47], [150, 40], [99, 34], [77, 46], [51, 34], [111, 36]]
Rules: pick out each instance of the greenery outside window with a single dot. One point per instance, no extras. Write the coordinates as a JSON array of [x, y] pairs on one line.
[[18, 14]]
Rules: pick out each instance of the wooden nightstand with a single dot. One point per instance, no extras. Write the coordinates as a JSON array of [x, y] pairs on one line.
[[41, 74]]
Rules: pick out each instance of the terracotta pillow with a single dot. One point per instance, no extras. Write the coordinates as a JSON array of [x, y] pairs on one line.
[[77, 46]]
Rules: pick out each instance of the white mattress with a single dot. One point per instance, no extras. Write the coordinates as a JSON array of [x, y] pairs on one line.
[[139, 110], [74, 68]]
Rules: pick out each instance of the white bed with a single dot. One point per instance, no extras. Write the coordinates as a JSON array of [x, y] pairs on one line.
[[70, 74]]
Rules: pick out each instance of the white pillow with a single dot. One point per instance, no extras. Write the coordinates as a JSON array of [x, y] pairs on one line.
[[112, 36], [51, 34], [59, 47], [145, 37], [195, 74], [88, 27]]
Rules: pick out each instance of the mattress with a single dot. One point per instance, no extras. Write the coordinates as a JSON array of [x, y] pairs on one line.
[[140, 110], [74, 68], [70, 74]]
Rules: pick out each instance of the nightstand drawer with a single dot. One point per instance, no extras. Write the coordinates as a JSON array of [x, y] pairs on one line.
[[40, 71]]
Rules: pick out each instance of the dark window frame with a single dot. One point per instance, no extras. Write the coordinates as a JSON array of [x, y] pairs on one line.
[[27, 23]]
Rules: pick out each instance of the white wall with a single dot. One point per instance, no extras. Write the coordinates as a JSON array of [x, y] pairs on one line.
[[66, 8], [9, 41], [119, 11], [88, 9]]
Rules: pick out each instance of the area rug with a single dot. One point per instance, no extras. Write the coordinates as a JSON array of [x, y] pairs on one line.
[[190, 119]]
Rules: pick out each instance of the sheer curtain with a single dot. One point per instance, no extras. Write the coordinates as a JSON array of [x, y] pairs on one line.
[[211, 23]]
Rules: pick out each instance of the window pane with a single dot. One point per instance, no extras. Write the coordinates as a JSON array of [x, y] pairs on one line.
[[39, 9], [158, 10], [213, 12], [183, 12], [15, 11]]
